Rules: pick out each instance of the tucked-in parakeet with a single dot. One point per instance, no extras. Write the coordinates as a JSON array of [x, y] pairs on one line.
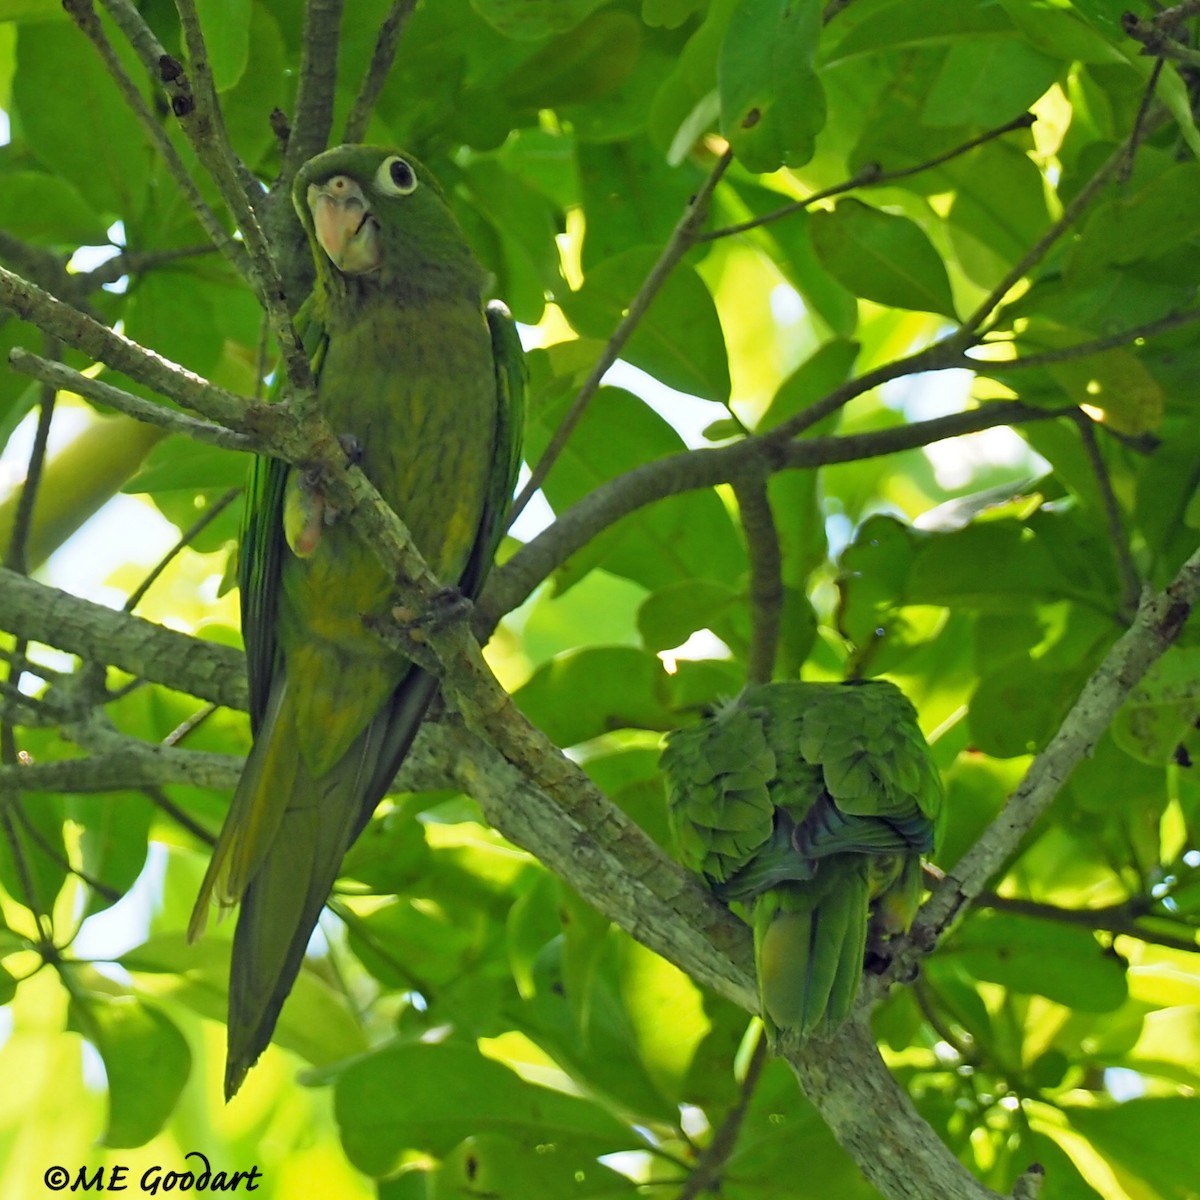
[[426, 384], [809, 806]]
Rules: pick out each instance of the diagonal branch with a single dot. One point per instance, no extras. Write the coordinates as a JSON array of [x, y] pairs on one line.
[[59, 375], [766, 578], [313, 118], [683, 238], [381, 63]]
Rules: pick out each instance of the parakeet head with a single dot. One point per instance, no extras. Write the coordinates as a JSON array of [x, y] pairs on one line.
[[377, 220]]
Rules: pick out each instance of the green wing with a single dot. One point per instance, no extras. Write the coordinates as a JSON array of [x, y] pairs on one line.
[[810, 804], [261, 540]]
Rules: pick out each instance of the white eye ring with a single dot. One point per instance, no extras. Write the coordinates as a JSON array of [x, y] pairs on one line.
[[396, 177]]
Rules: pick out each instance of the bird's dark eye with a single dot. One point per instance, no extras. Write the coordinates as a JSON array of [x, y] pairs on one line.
[[396, 177]]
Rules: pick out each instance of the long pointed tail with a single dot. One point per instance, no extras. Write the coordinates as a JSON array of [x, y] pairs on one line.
[[810, 944]]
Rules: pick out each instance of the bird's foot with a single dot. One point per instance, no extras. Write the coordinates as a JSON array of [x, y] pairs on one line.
[[306, 512], [352, 447], [447, 606]]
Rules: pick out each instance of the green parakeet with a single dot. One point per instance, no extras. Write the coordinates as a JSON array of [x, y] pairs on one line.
[[427, 385], [808, 805]]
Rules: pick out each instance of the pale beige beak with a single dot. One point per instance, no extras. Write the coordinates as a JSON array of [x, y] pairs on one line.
[[344, 226]]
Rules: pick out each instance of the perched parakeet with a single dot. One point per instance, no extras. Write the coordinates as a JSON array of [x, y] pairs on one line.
[[809, 805], [427, 386]]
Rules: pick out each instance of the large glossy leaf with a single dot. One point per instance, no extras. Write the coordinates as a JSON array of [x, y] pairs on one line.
[[686, 536], [1156, 1138], [679, 340], [451, 1092], [882, 257], [67, 124], [1064, 963], [772, 103], [146, 1061], [532, 19]]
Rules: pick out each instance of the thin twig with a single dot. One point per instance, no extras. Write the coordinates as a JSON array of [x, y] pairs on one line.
[[1071, 213], [710, 1166], [59, 375], [1131, 583], [186, 727], [1121, 920], [870, 176], [199, 113], [313, 116], [56, 856], [14, 556], [511, 584], [1139, 123], [381, 64], [162, 801], [921, 993], [682, 239], [193, 531], [134, 262], [766, 580], [1111, 341], [1157, 41], [1159, 622], [84, 16]]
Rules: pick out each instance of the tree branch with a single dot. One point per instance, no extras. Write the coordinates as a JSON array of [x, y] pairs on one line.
[[69, 325], [59, 375], [313, 118], [83, 14], [510, 585], [766, 579], [1160, 620], [1117, 919], [381, 63], [96, 633]]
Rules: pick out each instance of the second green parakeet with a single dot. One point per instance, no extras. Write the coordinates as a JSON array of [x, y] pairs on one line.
[[809, 805], [426, 384]]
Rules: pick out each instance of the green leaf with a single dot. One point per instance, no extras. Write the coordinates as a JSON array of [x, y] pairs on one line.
[[65, 125], [226, 26], [630, 196], [581, 66], [31, 10], [1027, 954], [1162, 709], [882, 257], [669, 616], [528, 20], [146, 1059], [987, 82], [1157, 1138], [39, 858], [496, 1166], [451, 1092], [47, 208], [811, 381], [594, 690], [314, 1023], [525, 223], [681, 537], [115, 831], [772, 102], [679, 340]]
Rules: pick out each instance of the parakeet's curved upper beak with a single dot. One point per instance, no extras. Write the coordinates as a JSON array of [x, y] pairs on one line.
[[344, 224]]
